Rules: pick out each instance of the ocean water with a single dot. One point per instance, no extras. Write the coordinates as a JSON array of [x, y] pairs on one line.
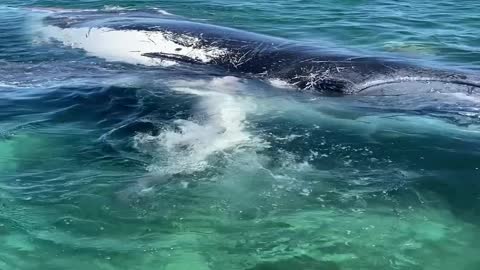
[[105, 164]]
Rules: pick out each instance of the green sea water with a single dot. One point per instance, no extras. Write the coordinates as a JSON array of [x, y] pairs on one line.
[[107, 165]]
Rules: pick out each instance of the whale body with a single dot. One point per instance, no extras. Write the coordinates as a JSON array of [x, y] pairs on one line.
[[146, 38]]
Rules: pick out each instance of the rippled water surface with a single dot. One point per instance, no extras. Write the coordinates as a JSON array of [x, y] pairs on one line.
[[109, 165]]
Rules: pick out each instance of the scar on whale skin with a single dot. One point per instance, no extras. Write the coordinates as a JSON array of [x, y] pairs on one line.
[[152, 39]]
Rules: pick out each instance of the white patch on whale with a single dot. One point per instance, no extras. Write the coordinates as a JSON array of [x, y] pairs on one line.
[[279, 83], [464, 97], [130, 45]]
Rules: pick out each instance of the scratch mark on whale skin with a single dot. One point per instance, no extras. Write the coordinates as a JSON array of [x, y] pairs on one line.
[[173, 41]]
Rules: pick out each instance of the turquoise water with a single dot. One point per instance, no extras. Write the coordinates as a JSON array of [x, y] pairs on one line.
[[108, 165]]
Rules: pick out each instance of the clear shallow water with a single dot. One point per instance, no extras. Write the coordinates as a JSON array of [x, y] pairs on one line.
[[107, 165]]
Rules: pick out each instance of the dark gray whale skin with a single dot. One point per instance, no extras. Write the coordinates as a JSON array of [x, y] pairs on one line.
[[304, 66]]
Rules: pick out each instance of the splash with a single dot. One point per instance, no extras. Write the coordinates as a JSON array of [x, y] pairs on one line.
[[219, 128]]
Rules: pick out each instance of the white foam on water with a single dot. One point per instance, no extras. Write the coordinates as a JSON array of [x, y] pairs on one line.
[[115, 8], [120, 8], [55, 10], [222, 129], [163, 12], [130, 45]]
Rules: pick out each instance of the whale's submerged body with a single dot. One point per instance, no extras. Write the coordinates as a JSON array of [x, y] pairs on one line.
[[146, 38]]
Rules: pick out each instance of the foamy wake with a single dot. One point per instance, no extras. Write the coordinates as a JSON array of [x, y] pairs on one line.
[[130, 45], [120, 8], [105, 8], [219, 128]]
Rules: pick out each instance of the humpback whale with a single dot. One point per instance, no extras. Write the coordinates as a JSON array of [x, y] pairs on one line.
[[147, 38]]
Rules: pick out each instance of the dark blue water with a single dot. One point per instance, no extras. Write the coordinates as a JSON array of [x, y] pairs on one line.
[[109, 165]]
